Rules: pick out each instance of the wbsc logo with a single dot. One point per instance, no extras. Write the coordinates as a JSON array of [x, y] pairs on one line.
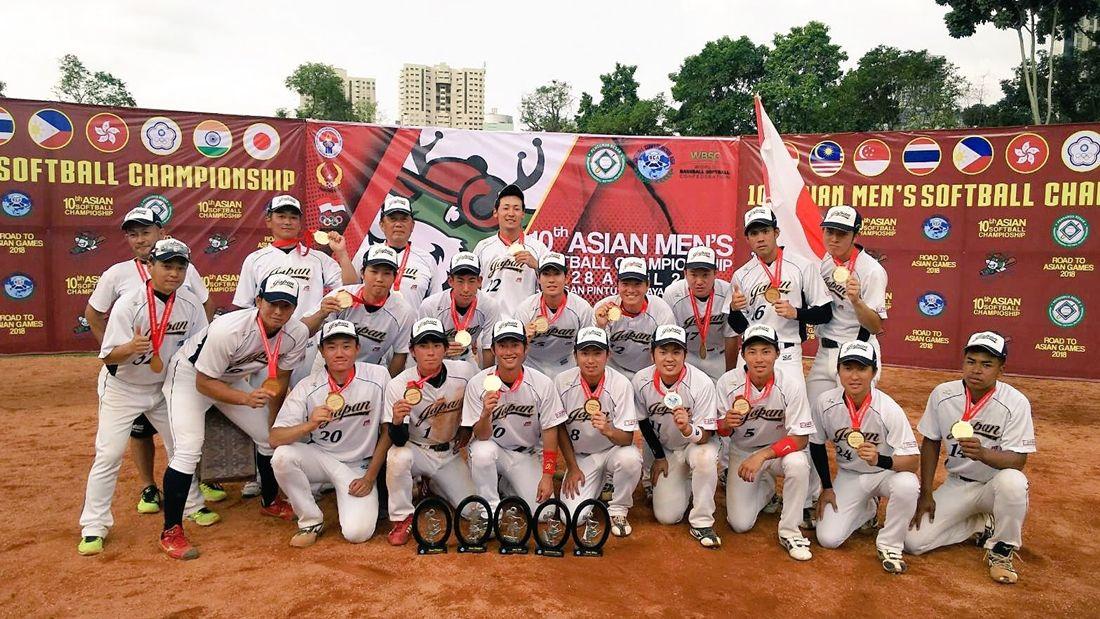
[[653, 163], [936, 228], [18, 286], [16, 204], [931, 304], [1066, 311], [1070, 231]]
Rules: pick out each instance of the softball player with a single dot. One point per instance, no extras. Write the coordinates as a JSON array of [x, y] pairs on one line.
[[765, 413], [598, 436], [422, 416], [876, 455], [700, 304], [212, 369], [989, 433], [417, 270], [144, 331], [513, 411], [327, 431], [553, 318], [631, 316], [676, 414], [465, 308], [510, 257]]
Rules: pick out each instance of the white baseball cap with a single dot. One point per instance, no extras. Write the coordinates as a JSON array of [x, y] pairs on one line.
[[760, 216], [465, 262], [279, 287], [282, 202], [509, 329], [552, 260], [338, 327], [858, 351], [760, 332], [701, 258], [991, 342], [396, 204], [592, 336], [669, 334], [633, 268], [380, 254], [167, 249], [843, 218], [142, 216], [428, 329]]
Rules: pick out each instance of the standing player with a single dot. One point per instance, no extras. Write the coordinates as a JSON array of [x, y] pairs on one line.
[[510, 256], [417, 271], [989, 434], [857, 283], [876, 455], [631, 316], [700, 304], [327, 431], [212, 369], [553, 318], [779, 289], [676, 415], [422, 416], [466, 312], [145, 330], [513, 411], [598, 437], [766, 415]]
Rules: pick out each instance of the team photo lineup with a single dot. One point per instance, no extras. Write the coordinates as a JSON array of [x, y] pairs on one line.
[[371, 374]]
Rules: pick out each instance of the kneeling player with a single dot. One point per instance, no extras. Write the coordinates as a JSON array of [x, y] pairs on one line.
[[769, 423], [876, 455], [676, 410], [422, 414], [327, 431], [598, 438]]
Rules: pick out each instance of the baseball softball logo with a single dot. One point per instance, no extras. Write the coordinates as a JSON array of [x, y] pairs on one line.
[[605, 163], [160, 205], [1066, 311], [18, 286], [936, 228], [1070, 231], [931, 304]]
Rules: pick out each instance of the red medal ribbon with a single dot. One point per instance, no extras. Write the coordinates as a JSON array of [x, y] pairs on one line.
[[856, 416], [747, 394], [419, 384], [970, 411], [272, 351], [777, 279], [157, 329], [301, 242], [355, 298], [505, 388], [590, 394], [702, 322], [334, 388], [461, 326], [401, 269], [645, 305], [850, 264], [507, 244], [142, 271], [544, 311], [657, 383]]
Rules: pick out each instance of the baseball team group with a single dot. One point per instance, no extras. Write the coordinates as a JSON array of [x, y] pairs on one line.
[[351, 372]]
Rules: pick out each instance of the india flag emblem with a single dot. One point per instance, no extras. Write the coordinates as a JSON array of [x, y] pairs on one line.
[[212, 138]]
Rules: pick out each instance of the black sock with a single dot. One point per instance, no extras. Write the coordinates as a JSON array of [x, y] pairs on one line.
[[269, 487], [176, 486], [1002, 549]]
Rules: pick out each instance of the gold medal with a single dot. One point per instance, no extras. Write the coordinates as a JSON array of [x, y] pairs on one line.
[[344, 299], [156, 364], [702, 350], [741, 406], [492, 383], [335, 401], [540, 324], [413, 396], [463, 338], [841, 274], [855, 439], [771, 295], [320, 237], [592, 406], [271, 385], [515, 248], [614, 313], [672, 400], [962, 429]]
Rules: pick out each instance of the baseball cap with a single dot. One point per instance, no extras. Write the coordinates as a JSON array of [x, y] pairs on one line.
[[284, 202], [760, 216], [396, 204], [338, 327], [509, 329], [760, 332], [428, 329], [669, 334], [701, 258], [843, 218], [633, 268], [279, 287], [380, 254], [858, 351], [592, 337], [552, 260], [464, 262], [142, 216], [509, 190], [167, 249], [992, 343]]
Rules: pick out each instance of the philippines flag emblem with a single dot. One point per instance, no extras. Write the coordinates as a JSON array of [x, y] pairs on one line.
[[921, 156], [50, 128], [972, 155], [872, 157], [826, 158], [7, 126]]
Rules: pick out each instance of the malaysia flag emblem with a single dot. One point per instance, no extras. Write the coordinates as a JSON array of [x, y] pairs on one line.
[[826, 158]]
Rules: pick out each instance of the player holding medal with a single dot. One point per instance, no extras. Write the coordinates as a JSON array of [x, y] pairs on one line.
[[631, 316], [876, 455], [466, 312], [598, 438], [416, 276], [700, 302], [989, 433], [553, 318], [510, 257]]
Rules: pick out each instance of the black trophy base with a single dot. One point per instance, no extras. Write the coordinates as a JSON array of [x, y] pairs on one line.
[[546, 552], [514, 550], [472, 549], [588, 552], [431, 550]]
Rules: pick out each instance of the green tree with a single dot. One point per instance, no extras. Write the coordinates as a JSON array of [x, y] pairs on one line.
[[548, 108], [79, 85], [1075, 93], [322, 92], [801, 74], [620, 110], [715, 88]]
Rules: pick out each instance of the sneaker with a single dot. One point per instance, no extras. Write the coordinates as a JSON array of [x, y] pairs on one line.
[[706, 536], [251, 489], [798, 547], [607, 493], [986, 533], [999, 558], [808, 519], [279, 508], [399, 534], [149, 502], [620, 527], [90, 545], [306, 536], [775, 505], [212, 492], [204, 517], [892, 561], [175, 544]]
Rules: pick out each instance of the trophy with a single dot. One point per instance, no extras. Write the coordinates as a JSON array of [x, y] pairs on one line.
[[551, 528], [513, 525], [591, 526], [474, 524], [432, 526]]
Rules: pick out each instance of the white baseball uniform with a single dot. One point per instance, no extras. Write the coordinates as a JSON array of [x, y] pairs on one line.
[[418, 280], [784, 412], [315, 271], [382, 331], [630, 336], [857, 483], [506, 280], [972, 488], [692, 467], [130, 389], [429, 452], [596, 455], [551, 352], [480, 326], [337, 452], [514, 450], [679, 300], [130, 275]]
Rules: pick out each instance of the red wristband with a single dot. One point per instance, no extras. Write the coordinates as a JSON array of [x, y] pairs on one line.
[[728, 431], [784, 447], [549, 462]]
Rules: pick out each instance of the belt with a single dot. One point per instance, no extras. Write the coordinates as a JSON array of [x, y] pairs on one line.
[[789, 345], [441, 447], [973, 481], [827, 343]]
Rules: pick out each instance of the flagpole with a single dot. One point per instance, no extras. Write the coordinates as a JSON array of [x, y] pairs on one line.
[[760, 142]]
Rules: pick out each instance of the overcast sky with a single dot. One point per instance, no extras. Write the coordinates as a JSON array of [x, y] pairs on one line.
[[235, 59]]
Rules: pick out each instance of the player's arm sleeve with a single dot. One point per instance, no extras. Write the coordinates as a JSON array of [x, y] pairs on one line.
[[294, 410], [198, 286], [799, 420], [815, 314], [1019, 435], [551, 410], [215, 356], [471, 403], [103, 295], [525, 311], [492, 315], [424, 310], [928, 425], [585, 316], [705, 413], [120, 328], [651, 438], [899, 434], [331, 272], [294, 357], [391, 395], [875, 295], [736, 320], [436, 285], [820, 458], [247, 286], [818, 416], [816, 293], [404, 331], [624, 396]]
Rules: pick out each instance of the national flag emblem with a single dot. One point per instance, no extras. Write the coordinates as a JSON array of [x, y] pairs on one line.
[[872, 157], [261, 141], [1027, 152], [972, 155], [107, 133], [212, 138], [826, 158], [792, 149], [7, 126], [921, 156], [50, 128], [161, 135]]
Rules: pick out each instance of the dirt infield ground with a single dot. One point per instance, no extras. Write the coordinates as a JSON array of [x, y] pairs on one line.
[[248, 569]]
